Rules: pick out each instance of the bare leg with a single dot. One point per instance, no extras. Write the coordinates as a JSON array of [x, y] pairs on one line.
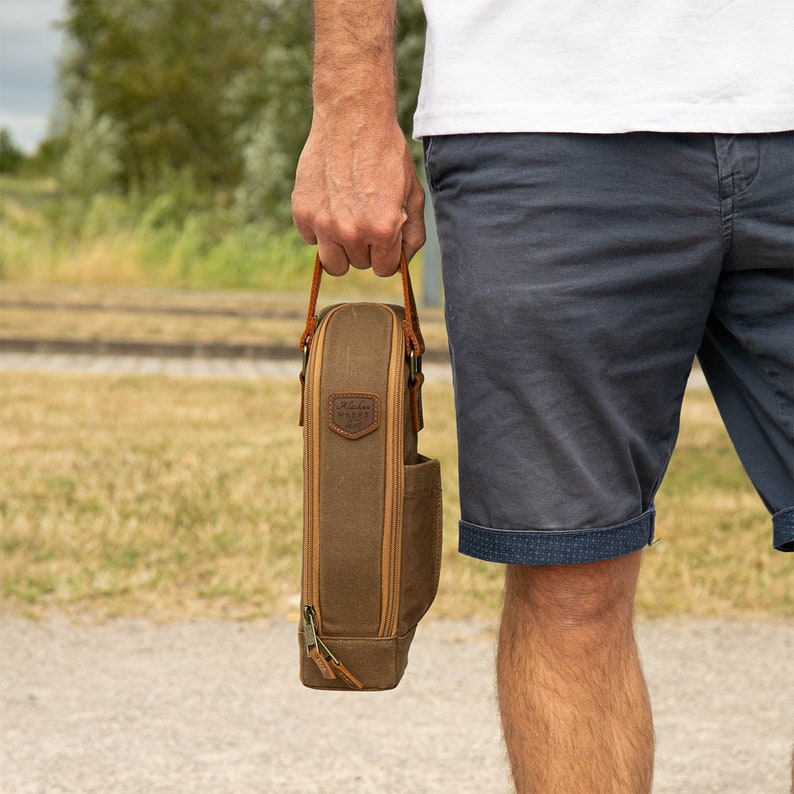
[[574, 705]]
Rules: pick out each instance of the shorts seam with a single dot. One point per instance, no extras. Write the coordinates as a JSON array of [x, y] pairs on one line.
[[781, 399]]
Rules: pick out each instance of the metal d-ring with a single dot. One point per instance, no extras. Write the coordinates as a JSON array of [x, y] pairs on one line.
[[305, 358], [414, 366]]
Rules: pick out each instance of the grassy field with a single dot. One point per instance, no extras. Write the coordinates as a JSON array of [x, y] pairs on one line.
[[182, 498], [46, 240]]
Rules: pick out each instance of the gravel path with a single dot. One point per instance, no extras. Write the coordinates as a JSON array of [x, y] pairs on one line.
[[170, 366], [194, 366], [215, 707]]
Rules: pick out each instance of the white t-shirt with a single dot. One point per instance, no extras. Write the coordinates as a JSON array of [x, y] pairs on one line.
[[607, 67]]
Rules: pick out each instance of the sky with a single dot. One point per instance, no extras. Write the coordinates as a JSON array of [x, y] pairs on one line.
[[29, 47]]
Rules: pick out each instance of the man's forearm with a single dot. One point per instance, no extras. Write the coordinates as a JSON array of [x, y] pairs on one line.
[[356, 194], [354, 56]]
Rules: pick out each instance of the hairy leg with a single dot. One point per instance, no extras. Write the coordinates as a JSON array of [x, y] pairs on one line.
[[574, 704]]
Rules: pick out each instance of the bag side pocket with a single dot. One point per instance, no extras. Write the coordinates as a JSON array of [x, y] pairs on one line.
[[421, 541]]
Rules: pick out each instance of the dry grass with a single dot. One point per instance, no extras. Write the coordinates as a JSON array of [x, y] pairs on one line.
[[155, 326], [180, 497], [713, 556], [240, 318], [156, 497]]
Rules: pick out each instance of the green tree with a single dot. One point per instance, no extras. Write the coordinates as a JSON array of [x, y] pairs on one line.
[[11, 156], [91, 163], [272, 100], [409, 52], [159, 69]]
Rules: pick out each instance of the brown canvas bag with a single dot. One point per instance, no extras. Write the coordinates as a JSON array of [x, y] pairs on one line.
[[372, 503]]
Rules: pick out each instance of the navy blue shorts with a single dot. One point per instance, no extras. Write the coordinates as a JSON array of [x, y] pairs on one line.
[[582, 275]]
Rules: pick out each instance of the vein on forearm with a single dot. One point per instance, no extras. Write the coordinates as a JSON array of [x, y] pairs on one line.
[[354, 53]]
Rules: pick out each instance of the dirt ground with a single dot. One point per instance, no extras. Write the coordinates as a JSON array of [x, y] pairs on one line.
[[211, 706]]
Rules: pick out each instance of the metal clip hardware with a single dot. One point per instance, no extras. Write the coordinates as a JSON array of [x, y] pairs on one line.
[[305, 360], [309, 630], [414, 366], [310, 637]]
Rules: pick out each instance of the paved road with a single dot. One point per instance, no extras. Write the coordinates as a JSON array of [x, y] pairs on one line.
[[214, 707]]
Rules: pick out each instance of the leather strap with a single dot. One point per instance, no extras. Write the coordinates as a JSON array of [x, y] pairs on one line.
[[414, 343]]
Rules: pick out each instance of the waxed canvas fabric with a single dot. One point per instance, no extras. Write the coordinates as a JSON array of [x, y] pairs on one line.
[[372, 503]]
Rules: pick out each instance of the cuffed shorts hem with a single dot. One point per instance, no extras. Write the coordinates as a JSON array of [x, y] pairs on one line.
[[558, 547], [783, 529]]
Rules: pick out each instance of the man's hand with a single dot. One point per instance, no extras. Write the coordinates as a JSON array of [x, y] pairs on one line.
[[357, 196]]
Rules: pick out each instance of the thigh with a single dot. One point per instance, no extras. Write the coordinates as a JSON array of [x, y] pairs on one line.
[[748, 349], [579, 272]]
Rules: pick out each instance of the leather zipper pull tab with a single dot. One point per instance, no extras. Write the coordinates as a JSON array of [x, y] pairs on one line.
[[337, 667], [343, 673]]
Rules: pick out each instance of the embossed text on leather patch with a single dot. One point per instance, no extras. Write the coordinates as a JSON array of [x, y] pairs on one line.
[[353, 414]]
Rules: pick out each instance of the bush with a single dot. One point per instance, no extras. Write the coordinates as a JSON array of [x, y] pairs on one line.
[[11, 156]]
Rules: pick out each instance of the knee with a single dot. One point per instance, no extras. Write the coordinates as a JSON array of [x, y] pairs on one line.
[[570, 597]]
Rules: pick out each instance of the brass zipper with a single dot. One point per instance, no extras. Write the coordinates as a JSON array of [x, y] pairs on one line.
[[311, 592], [393, 539]]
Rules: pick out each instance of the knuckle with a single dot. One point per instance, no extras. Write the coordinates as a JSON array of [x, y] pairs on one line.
[[386, 225], [324, 221], [383, 231], [348, 231]]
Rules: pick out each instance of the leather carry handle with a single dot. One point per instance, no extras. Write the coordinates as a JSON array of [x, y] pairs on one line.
[[414, 343]]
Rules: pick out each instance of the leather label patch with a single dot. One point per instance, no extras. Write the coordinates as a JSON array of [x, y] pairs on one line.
[[353, 414]]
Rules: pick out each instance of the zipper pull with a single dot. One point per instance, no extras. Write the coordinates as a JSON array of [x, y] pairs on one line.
[[316, 649], [337, 667], [311, 641], [342, 671]]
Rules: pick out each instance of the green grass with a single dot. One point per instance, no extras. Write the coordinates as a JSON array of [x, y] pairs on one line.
[[152, 242], [181, 497], [113, 241]]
